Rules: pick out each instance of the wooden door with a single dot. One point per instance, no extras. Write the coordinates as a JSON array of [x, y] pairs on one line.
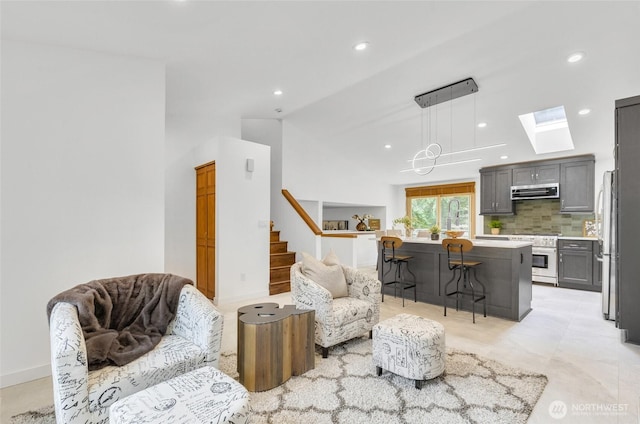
[[206, 229]]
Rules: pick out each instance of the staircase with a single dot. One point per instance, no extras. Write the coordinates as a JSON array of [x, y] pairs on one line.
[[280, 264]]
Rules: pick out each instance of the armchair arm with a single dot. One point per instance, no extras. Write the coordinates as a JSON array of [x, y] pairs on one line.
[[307, 294], [199, 321], [362, 286], [69, 370]]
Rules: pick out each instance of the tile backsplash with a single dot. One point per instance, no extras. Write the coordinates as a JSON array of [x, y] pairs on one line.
[[538, 217]]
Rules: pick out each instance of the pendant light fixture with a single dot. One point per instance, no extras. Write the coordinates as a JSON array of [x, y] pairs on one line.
[[425, 160], [431, 153]]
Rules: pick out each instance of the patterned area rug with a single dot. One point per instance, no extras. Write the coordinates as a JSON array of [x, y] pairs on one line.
[[344, 388]]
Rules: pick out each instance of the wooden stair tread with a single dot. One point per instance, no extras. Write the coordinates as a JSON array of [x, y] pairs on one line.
[[278, 247], [280, 261], [280, 287]]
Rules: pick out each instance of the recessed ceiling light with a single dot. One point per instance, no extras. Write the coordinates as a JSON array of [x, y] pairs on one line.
[[387, 146], [575, 57], [482, 124], [361, 46], [584, 111], [504, 157], [278, 92]]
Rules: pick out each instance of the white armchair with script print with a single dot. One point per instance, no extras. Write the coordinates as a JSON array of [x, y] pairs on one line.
[[192, 340], [340, 316]]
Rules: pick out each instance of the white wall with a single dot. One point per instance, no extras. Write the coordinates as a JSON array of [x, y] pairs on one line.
[[242, 216], [315, 175], [292, 229], [242, 227], [268, 132], [82, 184], [190, 142], [312, 172]]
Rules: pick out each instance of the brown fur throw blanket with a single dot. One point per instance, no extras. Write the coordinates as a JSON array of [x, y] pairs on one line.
[[125, 317]]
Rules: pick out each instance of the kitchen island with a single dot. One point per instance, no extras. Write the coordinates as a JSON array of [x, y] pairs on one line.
[[505, 272]]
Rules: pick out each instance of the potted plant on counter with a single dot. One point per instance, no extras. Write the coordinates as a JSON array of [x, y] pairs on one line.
[[435, 232], [495, 225], [408, 224]]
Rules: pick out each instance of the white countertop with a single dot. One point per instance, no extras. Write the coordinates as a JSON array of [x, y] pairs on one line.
[[503, 244], [354, 232]]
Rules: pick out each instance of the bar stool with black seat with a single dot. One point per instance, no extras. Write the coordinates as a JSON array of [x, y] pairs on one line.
[[456, 249], [389, 256]]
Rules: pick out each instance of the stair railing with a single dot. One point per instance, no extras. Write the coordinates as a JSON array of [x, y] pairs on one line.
[[301, 212]]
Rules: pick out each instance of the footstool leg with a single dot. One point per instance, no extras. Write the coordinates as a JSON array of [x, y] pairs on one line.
[[379, 371], [419, 384], [325, 352]]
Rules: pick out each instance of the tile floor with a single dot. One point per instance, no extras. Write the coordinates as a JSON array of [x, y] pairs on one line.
[[589, 369]]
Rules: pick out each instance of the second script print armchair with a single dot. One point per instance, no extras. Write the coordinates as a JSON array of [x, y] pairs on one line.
[[342, 318]]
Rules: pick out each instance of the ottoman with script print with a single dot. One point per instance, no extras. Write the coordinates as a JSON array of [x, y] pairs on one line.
[[410, 346], [204, 395]]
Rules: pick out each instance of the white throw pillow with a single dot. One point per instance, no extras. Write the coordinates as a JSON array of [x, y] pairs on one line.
[[327, 273], [331, 258]]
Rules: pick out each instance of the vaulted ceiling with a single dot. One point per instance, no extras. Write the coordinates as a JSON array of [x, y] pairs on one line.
[[227, 58]]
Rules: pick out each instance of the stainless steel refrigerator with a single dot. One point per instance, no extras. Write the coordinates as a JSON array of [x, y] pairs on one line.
[[606, 224]]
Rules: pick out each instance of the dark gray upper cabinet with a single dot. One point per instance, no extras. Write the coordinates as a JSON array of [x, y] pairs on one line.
[[577, 181], [543, 174], [495, 192], [576, 175]]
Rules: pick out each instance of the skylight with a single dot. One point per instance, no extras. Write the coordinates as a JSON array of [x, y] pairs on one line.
[[548, 130], [549, 116]]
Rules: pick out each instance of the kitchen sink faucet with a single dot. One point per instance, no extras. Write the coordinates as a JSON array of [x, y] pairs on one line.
[[457, 222]]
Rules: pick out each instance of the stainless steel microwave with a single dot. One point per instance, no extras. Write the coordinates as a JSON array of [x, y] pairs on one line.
[[537, 191]]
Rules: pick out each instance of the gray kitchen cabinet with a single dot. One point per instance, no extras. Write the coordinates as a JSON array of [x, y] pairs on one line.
[[495, 192], [627, 158], [577, 181], [543, 174], [575, 264]]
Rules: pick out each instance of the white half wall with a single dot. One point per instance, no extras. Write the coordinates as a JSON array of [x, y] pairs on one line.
[[82, 184], [242, 224]]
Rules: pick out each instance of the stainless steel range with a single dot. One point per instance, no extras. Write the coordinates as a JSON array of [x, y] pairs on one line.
[[545, 256]]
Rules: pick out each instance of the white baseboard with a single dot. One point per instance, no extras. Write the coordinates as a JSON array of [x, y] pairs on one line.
[[25, 375]]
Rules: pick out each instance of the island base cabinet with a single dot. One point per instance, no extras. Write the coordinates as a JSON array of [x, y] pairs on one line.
[[505, 272]]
